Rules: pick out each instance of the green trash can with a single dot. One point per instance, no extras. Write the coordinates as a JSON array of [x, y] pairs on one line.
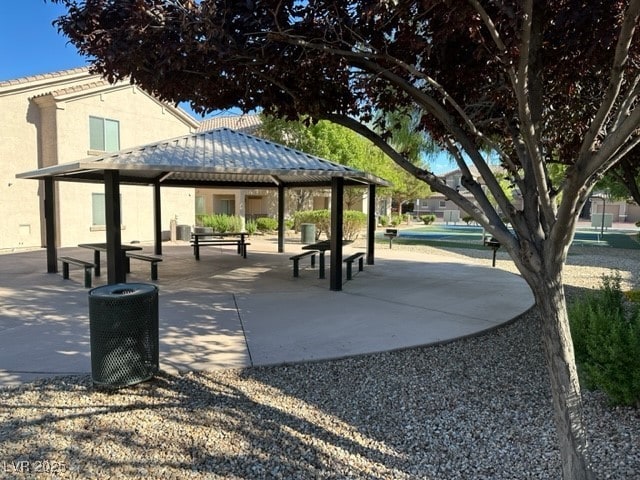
[[308, 231], [183, 232], [123, 327]]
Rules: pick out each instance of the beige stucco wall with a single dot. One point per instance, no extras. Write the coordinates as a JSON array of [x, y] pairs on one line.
[[19, 151], [47, 122], [633, 213], [265, 200]]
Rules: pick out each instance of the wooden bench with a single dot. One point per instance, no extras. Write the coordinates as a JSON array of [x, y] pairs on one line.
[[349, 261], [296, 260], [81, 263], [153, 259]]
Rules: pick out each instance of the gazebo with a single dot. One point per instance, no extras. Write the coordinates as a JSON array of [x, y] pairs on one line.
[[214, 158]]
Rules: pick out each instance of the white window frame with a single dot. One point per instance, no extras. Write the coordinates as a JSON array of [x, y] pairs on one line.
[[104, 134], [227, 205], [98, 212]]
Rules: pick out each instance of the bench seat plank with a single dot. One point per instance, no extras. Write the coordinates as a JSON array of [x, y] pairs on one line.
[[349, 261], [153, 259], [296, 260], [81, 263]]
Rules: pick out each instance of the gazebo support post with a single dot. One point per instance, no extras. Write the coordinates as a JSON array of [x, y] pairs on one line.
[[50, 224], [337, 213], [371, 224], [157, 218], [116, 271], [281, 200]]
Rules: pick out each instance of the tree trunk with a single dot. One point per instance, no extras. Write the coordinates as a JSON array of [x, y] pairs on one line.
[[565, 388]]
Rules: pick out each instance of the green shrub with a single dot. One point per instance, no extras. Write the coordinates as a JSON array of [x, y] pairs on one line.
[[395, 220], [467, 219], [320, 218], [633, 296], [200, 220], [606, 339], [222, 223], [251, 227], [428, 219], [266, 224], [352, 222], [383, 220]]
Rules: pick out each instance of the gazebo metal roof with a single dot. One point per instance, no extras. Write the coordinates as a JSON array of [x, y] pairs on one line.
[[215, 158]]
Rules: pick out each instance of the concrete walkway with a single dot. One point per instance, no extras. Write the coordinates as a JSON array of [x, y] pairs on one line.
[[225, 311]]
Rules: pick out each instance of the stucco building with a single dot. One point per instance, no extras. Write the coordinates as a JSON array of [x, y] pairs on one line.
[[445, 209], [64, 116], [619, 211]]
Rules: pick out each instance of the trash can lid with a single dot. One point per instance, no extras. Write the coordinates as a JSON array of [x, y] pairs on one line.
[[118, 289]]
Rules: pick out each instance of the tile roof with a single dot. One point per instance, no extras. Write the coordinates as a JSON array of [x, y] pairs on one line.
[[44, 76], [80, 88], [248, 123], [83, 81]]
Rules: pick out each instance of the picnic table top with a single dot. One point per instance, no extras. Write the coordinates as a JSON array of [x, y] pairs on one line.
[[219, 234], [102, 247], [323, 245]]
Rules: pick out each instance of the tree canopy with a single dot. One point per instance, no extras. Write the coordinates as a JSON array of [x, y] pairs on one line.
[[538, 82], [340, 144], [623, 180]]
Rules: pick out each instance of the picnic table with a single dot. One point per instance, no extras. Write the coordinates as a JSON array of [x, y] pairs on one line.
[[102, 247], [321, 247], [214, 239]]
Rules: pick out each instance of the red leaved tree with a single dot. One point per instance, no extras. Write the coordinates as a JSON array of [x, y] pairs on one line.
[[534, 81]]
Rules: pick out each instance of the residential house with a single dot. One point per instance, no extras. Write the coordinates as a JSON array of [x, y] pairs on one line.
[[65, 116], [444, 208], [617, 211], [439, 205]]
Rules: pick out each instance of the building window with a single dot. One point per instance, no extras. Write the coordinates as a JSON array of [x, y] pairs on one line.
[[200, 206], [227, 207], [254, 206], [104, 134], [443, 203], [98, 216]]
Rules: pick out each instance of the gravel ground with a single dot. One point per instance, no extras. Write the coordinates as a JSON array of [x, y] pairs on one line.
[[477, 408]]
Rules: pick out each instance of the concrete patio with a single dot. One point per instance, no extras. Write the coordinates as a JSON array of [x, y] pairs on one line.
[[227, 312]]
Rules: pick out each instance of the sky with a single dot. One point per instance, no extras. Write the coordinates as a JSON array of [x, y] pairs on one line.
[[31, 45]]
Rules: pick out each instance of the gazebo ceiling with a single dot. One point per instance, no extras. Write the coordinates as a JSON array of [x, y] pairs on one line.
[[215, 158]]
